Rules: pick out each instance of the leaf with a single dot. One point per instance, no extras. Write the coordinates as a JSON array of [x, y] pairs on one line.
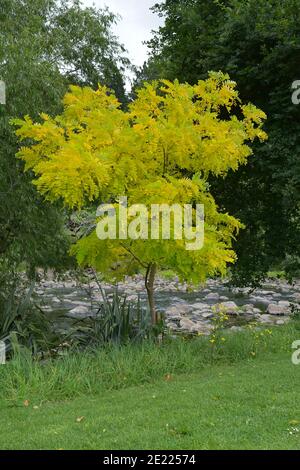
[[168, 377], [26, 403], [80, 419]]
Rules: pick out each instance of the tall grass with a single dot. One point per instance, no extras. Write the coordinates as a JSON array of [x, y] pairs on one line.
[[93, 371]]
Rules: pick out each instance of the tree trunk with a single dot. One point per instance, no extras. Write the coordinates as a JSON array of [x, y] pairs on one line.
[[149, 282]]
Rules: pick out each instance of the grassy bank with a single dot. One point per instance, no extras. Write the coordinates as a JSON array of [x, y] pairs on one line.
[[249, 405], [91, 372], [241, 393]]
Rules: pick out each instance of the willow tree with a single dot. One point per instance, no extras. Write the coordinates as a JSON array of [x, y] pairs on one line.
[[161, 151]]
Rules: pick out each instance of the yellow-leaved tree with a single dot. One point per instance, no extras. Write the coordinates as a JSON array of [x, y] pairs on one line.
[[160, 151]]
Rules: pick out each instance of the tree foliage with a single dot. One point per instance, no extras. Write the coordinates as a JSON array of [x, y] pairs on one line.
[[161, 151]]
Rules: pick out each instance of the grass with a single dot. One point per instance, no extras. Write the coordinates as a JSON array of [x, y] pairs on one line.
[[182, 395], [250, 406]]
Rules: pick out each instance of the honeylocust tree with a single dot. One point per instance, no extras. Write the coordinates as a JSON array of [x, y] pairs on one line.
[[157, 155]]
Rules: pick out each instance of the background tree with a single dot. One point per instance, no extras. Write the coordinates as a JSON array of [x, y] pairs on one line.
[[257, 43], [44, 46], [162, 151]]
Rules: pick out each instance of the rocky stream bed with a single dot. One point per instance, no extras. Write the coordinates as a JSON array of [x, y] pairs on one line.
[[186, 310]]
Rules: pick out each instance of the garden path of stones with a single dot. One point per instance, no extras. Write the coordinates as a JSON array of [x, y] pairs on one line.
[[185, 310]]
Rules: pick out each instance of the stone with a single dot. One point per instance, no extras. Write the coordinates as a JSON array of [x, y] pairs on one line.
[[188, 325], [79, 312], [260, 300], [248, 308], [212, 296], [207, 314], [284, 303], [276, 309], [266, 319], [200, 306], [228, 307], [179, 309], [282, 321]]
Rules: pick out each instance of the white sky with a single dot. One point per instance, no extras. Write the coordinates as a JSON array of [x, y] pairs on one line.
[[135, 25]]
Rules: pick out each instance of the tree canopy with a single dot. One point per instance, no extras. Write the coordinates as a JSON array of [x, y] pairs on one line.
[[161, 151]]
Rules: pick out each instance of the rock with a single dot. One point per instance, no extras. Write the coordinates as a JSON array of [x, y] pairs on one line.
[[228, 307], [200, 306], [282, 321], [224, 298], [260, 300], [284, 304], [266, 292], [248, 308], [207, 314], [212, 296], [79, 312], [179, 309], [266, 319], [188, 325], [276, 309]]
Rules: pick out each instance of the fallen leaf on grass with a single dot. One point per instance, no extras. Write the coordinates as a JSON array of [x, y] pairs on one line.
[[168, 377], [26, 403], [80, 419]]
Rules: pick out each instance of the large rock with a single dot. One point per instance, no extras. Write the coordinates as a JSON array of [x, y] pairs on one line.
[[79, 312], [228, 307], [277, 309], [266, 319], [188, 325], [248, 308], [200, 306], [198, 327], [282, 321], [260, 300], [296, 296], [178, 310], [207, 314], [212, 296]]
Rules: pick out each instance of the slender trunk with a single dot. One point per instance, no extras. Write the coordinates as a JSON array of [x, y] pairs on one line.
[[149, 282]]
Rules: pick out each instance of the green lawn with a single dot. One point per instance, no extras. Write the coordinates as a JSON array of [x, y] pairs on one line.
[[252, 404]]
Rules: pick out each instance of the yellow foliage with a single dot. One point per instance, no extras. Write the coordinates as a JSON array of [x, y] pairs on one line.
[[161, 150]]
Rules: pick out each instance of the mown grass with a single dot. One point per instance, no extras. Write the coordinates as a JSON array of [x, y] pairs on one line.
[[253, 404], [78, 374]]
